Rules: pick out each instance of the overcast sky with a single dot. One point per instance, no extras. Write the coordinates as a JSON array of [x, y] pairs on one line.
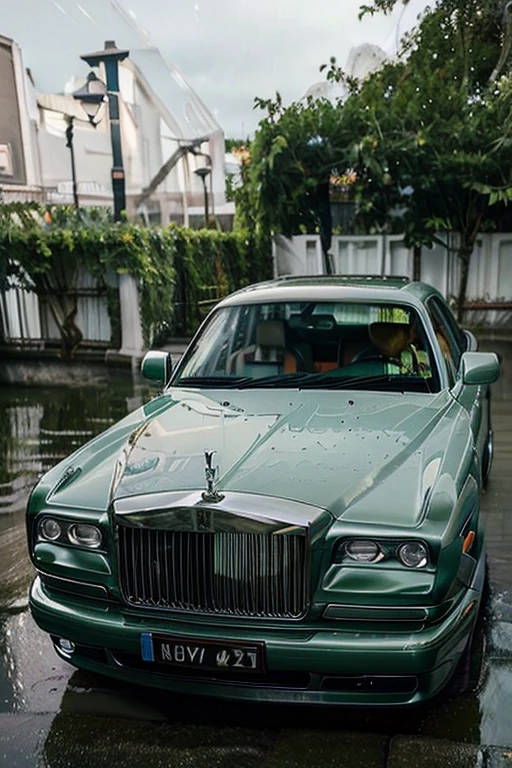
[[233, 50], [229, 50]]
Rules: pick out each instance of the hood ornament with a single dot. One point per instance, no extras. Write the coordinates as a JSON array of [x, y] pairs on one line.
[[211, 474]]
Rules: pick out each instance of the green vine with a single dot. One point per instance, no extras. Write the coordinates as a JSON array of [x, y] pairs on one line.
[[180, 271]]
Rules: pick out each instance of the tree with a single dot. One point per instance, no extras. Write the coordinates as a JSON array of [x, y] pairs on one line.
[[291, 161], [435, 128], [429, 137]]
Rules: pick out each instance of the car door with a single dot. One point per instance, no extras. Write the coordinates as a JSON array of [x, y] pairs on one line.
[[473, 398]]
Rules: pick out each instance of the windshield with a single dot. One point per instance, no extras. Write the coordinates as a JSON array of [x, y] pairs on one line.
[[312, 345]]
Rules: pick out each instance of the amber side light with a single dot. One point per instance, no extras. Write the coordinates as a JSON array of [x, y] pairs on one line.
[[468, 542]]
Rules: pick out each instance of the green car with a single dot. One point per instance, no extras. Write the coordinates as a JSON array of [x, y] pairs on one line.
[[295, 518]]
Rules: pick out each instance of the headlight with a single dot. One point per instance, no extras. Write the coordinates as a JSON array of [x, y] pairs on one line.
[[50, 530], [413, 554], [363, 550], [84, 535], [67, 532]]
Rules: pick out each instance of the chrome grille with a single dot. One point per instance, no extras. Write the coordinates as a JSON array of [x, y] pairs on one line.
[[244, 574]]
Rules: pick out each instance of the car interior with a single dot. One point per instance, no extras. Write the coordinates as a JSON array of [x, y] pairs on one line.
[[367, 341]]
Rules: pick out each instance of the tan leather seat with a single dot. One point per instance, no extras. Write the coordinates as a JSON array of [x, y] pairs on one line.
[[268, 356], [271, 346]]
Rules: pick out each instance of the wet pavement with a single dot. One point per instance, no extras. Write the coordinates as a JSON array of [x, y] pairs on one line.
[[54, 716]]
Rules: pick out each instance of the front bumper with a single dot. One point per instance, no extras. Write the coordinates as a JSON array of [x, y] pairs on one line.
[[308, 665]]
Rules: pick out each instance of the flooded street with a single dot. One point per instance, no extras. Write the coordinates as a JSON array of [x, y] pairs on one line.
[[56, 717]]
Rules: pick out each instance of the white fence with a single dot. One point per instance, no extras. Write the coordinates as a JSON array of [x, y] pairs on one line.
[[27, 319], [490, 274]]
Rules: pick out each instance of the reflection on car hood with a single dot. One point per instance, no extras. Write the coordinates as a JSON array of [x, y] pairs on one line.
[[364, 456], [329, 449]]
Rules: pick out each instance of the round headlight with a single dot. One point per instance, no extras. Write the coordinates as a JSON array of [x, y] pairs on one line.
[[363, 551], [413, 554], [50, 530], [84, 535]]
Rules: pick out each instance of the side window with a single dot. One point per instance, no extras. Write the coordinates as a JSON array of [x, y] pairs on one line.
[[450, 337]]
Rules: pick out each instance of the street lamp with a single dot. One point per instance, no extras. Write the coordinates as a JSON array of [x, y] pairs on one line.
[[110, 56], [91, 96], [203, 172]]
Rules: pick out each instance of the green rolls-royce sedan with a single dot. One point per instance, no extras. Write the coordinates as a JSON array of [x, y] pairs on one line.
[[295, 518]]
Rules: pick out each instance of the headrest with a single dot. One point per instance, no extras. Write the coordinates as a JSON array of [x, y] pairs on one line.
[[270, 333], [391, 338]]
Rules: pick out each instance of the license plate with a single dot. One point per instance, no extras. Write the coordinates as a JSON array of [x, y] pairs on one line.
[[202, 654]]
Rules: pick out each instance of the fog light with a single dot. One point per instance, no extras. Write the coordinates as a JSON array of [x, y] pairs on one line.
[[65, 645], [50, 529], [413, 554], [363, 551], [84, 535]]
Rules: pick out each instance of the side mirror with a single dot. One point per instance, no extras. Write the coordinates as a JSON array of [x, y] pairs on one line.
[[479, 367], [157, 366]]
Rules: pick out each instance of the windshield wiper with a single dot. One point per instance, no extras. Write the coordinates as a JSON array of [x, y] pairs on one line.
[[278, 381], [339, 382], [220, 382]]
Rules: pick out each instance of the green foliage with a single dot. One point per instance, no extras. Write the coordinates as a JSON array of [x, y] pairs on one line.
[[428, 138], [211, 264], [383, 6], [435, 128], [293, 153], [46, 248], [234, 144]]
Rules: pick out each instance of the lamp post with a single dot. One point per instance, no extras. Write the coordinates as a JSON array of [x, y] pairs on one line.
[[203, 172], [69, 143], [110, 56], [91, 97]]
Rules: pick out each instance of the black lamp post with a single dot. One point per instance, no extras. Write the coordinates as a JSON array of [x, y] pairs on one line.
[[69, 143], [91, 97], [203, 172], [110, 56]]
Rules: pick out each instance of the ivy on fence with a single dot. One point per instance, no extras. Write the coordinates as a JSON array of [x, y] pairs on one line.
[[45, 249]]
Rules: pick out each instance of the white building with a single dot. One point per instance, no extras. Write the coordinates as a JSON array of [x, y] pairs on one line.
[[161, 117]]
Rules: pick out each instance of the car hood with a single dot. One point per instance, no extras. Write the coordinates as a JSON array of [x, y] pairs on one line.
[[333, 450]]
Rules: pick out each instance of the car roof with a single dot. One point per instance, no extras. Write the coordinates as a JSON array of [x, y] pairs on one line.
[[364, 288]]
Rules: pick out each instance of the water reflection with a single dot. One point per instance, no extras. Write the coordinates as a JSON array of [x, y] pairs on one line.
[[39, 427]]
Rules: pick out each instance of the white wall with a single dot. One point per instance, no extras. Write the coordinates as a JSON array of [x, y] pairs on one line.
[[149, 138], [490, 274]]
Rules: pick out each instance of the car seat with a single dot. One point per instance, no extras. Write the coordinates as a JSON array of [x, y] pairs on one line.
[[269, 356]]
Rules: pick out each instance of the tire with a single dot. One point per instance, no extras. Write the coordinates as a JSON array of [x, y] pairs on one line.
[[488, 450]]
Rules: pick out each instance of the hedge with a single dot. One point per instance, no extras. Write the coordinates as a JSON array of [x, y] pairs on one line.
[[180, 271]]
